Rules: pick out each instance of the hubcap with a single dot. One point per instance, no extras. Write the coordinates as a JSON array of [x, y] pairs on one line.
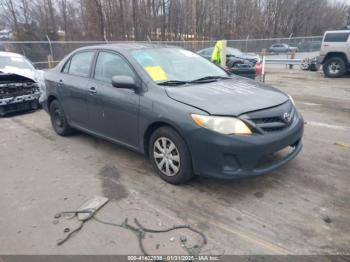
[[166, 156], [334, 68]]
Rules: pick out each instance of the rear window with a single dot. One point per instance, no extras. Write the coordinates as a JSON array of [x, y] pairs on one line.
[[336, 37], [80, 64]]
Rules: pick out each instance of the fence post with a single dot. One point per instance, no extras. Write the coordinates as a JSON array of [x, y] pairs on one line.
[[246, 43], [50, 46], [50, 61], [292, 56], [263, 68]]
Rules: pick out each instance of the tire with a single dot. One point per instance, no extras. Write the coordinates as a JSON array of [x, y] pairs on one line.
[[334, 67], [58, 119], [175, 166]]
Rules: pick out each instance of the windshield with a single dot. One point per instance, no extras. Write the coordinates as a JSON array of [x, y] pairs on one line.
[[174, 64], [18, 62]]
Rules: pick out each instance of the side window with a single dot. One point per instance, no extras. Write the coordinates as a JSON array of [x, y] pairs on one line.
[[66, 67], [336, 37], [109, 65], [80, 64]]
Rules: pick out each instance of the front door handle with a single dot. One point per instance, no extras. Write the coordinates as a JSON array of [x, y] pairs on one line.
[[92, 90], [60, 83]]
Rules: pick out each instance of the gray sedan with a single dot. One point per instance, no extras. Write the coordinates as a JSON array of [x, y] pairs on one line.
[[281, 48], [185, 113]]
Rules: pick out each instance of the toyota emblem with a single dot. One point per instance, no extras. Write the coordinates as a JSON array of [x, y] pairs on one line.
[[287, 117]]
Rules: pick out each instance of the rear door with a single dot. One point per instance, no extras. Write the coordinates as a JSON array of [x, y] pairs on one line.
[[113, 112], [73, 87]]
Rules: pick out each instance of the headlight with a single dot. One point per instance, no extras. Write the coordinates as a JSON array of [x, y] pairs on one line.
[[291, 100], [223, 125]]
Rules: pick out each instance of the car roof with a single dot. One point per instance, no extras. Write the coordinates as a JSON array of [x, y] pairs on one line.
[[127, 46], [10, 54]]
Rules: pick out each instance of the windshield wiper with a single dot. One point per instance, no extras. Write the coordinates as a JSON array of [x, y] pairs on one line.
[[209, 79], [205, 79], [172, 83]]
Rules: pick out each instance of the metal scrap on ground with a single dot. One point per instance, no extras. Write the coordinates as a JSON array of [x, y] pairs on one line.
[[342, 144], [90, 207]]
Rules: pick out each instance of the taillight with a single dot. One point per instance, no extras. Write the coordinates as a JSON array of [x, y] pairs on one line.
[[258, 68]]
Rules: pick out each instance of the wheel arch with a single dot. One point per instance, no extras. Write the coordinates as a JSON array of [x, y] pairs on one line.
[[153, 127], [336, 54], [50, 99]]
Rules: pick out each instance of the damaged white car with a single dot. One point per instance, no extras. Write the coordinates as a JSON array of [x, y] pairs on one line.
[[21, 85]]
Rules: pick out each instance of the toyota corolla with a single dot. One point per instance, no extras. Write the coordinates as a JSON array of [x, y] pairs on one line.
[[189, 116]]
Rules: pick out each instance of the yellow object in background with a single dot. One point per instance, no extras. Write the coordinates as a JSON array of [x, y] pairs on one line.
[[216, 55], [156, 73]]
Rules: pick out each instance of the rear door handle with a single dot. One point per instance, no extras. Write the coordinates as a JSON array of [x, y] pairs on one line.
[[92, 90]]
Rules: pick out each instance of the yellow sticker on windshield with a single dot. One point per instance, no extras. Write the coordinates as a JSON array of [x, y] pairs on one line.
[[156, 73]]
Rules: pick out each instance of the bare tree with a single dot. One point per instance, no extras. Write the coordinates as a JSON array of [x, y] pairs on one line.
[[172, 19]]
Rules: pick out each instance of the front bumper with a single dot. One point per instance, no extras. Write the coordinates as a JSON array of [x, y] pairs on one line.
[[226, 156], [19, 103]]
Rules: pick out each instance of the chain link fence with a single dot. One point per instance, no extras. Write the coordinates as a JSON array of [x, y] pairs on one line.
[[40, 51]]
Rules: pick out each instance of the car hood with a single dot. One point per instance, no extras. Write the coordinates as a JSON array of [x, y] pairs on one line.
[[231, 97], [31, 74]]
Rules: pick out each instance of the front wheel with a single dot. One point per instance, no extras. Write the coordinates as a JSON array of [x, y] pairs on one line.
[[334, 67], [170, 156]]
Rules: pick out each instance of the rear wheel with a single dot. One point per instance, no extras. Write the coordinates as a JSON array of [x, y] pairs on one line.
[[334, 67], [58, 119], [170, 156]]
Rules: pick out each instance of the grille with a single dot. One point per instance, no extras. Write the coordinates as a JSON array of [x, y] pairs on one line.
[[12, 89], [271, 119], [272, 124], [266, 120], [273, 129]]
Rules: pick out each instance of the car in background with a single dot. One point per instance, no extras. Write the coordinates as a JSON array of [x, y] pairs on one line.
[[20, 84], [5, 34], [233, 54], [335, 53], [237, 62], [281, 48], [189, 116]]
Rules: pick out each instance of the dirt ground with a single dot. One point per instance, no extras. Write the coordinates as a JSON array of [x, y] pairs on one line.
[[302, 208]]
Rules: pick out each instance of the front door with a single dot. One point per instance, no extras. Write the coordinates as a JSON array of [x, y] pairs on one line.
[[113, 112], [73, 87]]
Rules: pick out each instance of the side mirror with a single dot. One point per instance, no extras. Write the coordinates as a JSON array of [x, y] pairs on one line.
[[123, 82]]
